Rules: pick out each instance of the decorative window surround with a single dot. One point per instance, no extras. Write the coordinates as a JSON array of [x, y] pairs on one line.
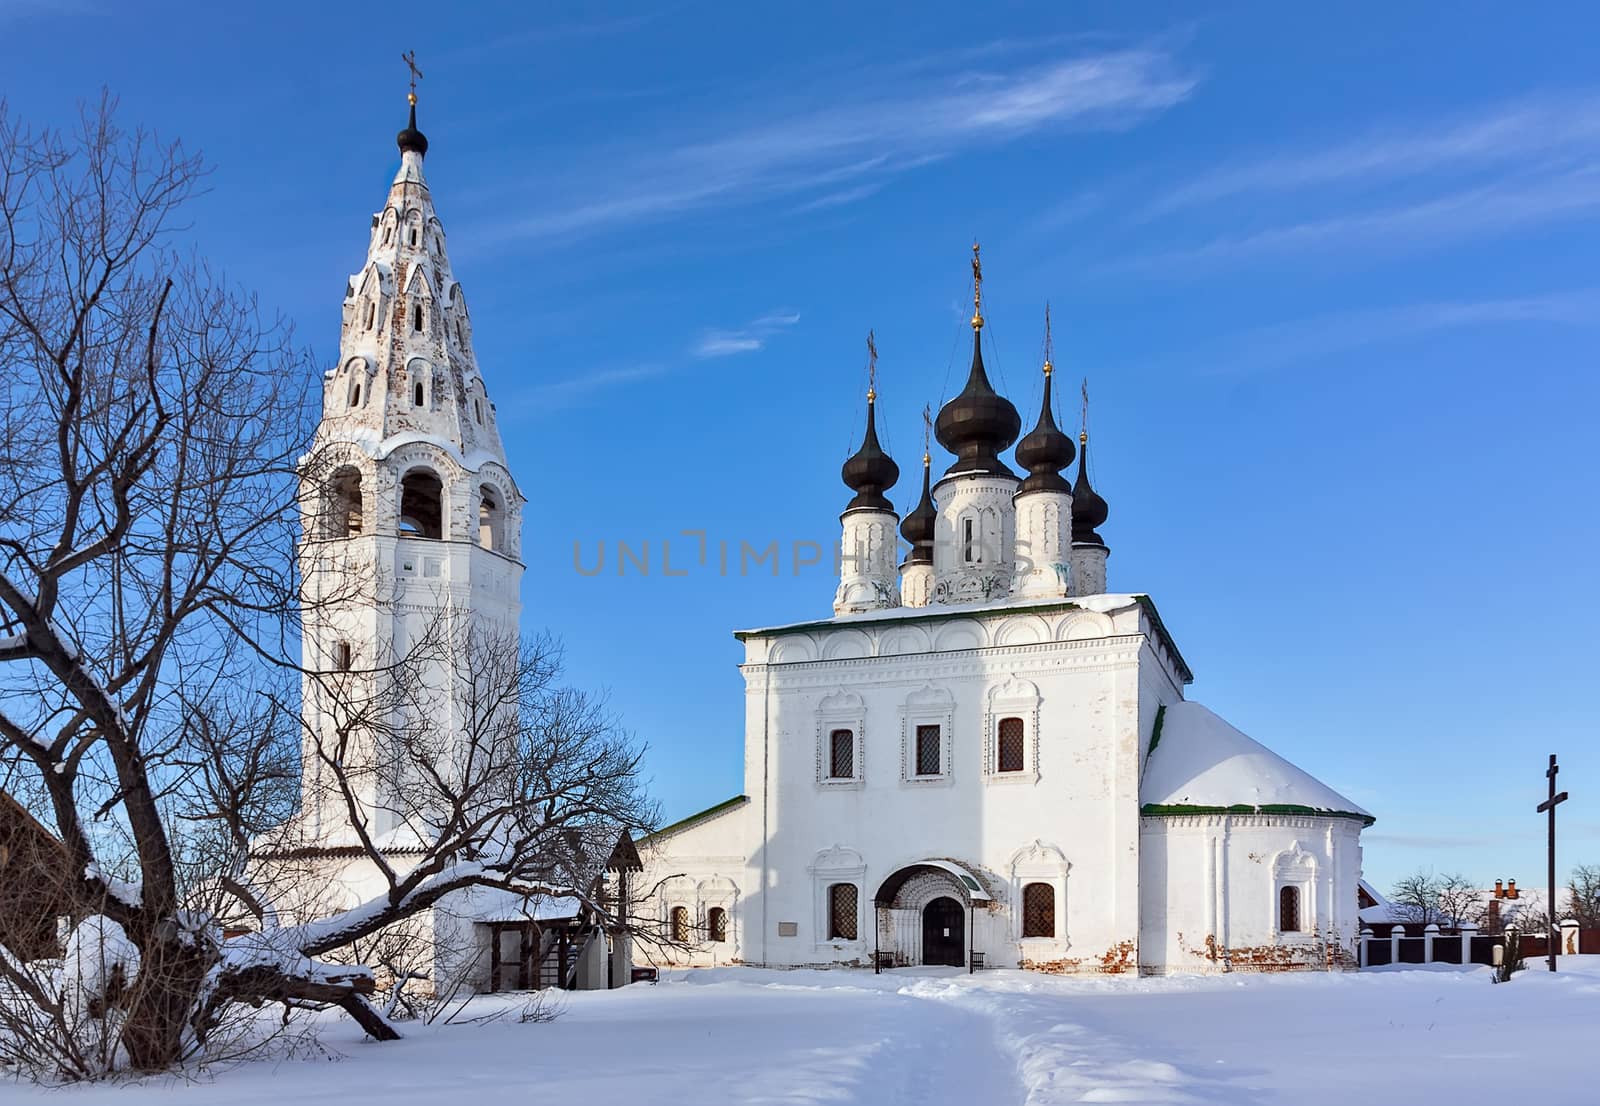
[[1015, 698], [928, 706], [843, 710], [1040, 863], [838, 864], [1295, 868]]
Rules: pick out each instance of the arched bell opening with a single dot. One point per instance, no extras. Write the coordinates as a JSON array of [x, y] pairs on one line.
[[421, 505]]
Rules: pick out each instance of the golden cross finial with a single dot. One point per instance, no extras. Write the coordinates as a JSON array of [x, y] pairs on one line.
[[1048, 367], [977, 289], [410, 58], [1083, 432], [872, 367], [927, 433]]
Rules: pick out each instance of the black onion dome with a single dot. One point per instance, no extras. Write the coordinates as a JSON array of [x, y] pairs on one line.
[[870, 471], [978, 423], [918, 527], [1045, 451], [412, 139], [1089, 511]]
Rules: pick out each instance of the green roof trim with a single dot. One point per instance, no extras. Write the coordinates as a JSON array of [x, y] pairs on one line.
[[1170, 810], [1154, 615], [1155, 731], [708, 812], [906, 620]]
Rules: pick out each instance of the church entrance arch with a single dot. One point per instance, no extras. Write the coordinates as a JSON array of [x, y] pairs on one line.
[[923, 913], [944, 932]]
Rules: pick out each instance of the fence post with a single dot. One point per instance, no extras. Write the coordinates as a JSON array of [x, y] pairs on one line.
[[1366, 936], [1396, 932], [1569, 936], [1467, 930], [1429, 932]]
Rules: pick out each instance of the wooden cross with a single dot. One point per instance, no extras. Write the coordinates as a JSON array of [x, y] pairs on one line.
[[410, 58], [1552, 938]]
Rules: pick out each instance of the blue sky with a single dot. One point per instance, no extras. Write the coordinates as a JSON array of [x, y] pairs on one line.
[[1329, 274]]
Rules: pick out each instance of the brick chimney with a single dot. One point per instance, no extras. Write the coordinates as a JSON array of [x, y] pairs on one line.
[[1499, 889], [1511, 889]]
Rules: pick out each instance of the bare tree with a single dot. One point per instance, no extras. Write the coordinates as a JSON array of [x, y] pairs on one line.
[[1424, 898], [151, 683], [1584, 892]]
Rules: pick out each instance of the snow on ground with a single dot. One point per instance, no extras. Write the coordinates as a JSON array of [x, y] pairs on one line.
[[938, 1036]]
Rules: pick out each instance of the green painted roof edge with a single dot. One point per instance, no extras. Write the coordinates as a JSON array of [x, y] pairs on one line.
[[912, 619], [1170, 810], [710, 811], [1155, 731], [1149, 606]]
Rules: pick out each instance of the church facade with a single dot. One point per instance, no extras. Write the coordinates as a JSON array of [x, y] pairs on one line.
[[985, 757]]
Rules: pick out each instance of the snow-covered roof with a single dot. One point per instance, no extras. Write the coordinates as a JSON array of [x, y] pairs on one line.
[[1201, 764], [491, 904]]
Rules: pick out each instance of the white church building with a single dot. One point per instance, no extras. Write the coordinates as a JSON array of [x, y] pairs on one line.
[[985, 757]]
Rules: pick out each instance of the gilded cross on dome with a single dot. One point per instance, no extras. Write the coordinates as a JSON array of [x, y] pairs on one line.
[[410, 58]]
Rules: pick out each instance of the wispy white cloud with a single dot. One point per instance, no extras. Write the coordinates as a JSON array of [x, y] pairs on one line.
[[558, 395], [1304, 339], [1507, 134], [746, 339], [867, 137], [1496, 208]]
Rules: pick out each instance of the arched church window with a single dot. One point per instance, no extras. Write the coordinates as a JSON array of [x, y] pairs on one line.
[[388, 233], [421, 505], [416, 235], [355, 393], [1289, 909], [343, 656], [418, 395], [416, 318], [1010, 753], [717, 924], [679, 927], [491, 520], [842, 899], [928, 750], [971, 542], [372, 315], [461, 334], [842, 754], [344, 504], [1038, 910], [477, 411]]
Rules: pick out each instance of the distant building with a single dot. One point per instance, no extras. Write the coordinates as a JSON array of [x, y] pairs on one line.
[[985, 753], [33, 897]]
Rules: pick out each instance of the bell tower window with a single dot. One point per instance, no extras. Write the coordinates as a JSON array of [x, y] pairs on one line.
[[416, 318], [344, 504], [421, 505], [491, 520]]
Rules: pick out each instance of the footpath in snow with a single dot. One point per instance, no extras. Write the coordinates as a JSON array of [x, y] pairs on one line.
[[939, 1036]]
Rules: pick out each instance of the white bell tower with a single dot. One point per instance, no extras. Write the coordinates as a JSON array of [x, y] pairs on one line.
[[411, 518]]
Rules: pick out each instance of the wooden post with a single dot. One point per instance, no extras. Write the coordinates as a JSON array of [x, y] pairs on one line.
[[522, 958], [494, 958], [561, 959], [1552, 934]]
